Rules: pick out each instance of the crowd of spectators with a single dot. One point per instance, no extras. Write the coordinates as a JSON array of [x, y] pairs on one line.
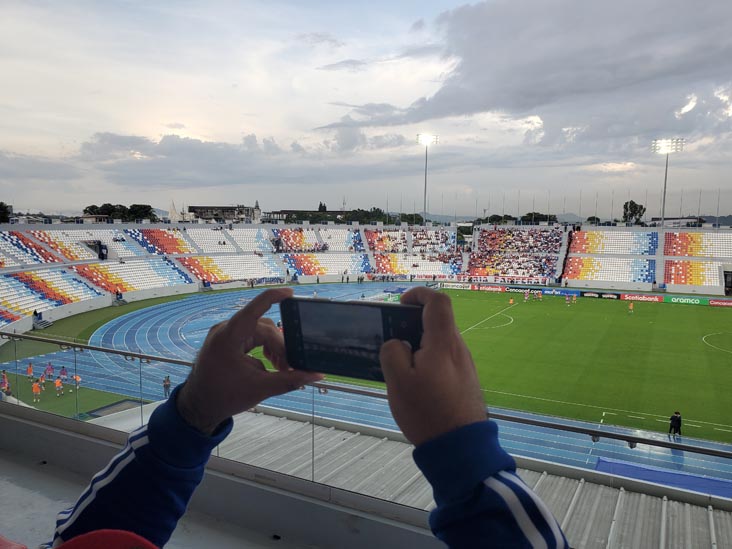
[[380, 240], [432, 241], [298, 240], [532, 241], [508, 265]]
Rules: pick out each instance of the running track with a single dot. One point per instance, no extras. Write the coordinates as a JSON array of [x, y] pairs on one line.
[[177, 330]]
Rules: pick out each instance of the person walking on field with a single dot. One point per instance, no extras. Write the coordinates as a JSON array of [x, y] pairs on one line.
[[674, 427]]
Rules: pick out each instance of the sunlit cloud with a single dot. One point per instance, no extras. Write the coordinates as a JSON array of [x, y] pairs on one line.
[[690, 105]]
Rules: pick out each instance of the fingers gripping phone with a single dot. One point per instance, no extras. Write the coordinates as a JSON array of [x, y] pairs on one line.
[[344, 337]]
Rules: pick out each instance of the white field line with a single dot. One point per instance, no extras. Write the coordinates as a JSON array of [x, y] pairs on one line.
[[500, 325], [596, 407], [690, 425], [488, 318], [725, 430], [704, 339], [637, 417]]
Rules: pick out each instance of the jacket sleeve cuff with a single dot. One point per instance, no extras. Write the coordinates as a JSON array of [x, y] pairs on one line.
[[177, 443], [456, 462]]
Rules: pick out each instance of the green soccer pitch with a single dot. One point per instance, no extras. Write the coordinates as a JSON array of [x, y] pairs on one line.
[[592, 360], [595, 361]]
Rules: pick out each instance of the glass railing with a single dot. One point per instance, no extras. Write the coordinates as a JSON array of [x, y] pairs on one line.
[[333, 434]]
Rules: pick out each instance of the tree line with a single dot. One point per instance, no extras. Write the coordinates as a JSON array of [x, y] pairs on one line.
[[122, 212]]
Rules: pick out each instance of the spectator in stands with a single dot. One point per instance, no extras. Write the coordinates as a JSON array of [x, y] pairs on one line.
[[166, 386], [435, 398]]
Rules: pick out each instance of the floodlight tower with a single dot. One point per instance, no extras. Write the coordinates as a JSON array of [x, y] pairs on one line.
[[426, 140], [666, 146]]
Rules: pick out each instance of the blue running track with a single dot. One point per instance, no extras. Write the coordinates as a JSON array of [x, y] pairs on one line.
[[177, 330]]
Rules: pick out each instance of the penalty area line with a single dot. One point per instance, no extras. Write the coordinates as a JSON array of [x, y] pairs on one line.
[[488, 318]]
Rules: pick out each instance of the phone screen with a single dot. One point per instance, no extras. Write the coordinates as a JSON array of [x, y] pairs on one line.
[[344, 338]]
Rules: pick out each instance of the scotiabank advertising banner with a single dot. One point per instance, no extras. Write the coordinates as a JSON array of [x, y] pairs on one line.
[[483, 288], [642, 297], [720, 302]]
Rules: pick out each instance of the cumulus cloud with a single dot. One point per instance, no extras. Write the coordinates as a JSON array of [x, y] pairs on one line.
[[21, 168], [320, 38], [417, 26], [616, 70], [353, 65]]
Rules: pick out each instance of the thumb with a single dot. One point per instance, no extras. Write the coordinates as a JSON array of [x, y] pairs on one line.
[[284, 381], [396, 360]]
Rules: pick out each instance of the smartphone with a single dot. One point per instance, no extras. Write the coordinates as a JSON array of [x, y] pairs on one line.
[[344, 337]]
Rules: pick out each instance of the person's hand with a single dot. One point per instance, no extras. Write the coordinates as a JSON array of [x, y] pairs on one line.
[[434, 390], [225, 380]]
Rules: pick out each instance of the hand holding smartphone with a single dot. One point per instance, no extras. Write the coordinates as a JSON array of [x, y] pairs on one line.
[[344, 338]]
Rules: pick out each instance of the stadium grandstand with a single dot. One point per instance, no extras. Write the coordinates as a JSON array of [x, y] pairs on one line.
[[692, 261], [331, 449]]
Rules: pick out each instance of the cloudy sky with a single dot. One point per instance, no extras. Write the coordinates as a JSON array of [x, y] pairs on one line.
[[291, 103]]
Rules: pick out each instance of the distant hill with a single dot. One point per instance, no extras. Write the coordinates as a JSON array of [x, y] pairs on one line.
[[724, 220]]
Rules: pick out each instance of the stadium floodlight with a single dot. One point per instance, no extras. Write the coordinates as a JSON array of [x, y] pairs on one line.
[[426, 139], [667, 147]]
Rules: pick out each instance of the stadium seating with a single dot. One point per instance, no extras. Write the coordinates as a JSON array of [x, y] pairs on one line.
[[327, 264], [161, 241], [516, 252], [133, 275], [433, 241], [512, 265], [614, 242], [69, 243], [299, 240], [227, 268], [611, 269], [6, 260], [692, 273], [26, 252], [698, 244], [342, 240], [421, 266], [385, 240], [210, 240], [66, 245], [252, 239], [6, 317], [28, 291]]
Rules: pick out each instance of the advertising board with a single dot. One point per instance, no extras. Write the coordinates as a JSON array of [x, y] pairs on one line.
[[601, 295], [642, 297], [686, 300], [483, 288], [560, 291], [720, 302]]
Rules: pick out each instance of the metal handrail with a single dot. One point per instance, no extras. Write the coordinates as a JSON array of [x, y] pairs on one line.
[[596, 434]]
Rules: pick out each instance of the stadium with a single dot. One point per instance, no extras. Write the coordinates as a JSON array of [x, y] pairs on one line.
[[581, 385], [333, 275]]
